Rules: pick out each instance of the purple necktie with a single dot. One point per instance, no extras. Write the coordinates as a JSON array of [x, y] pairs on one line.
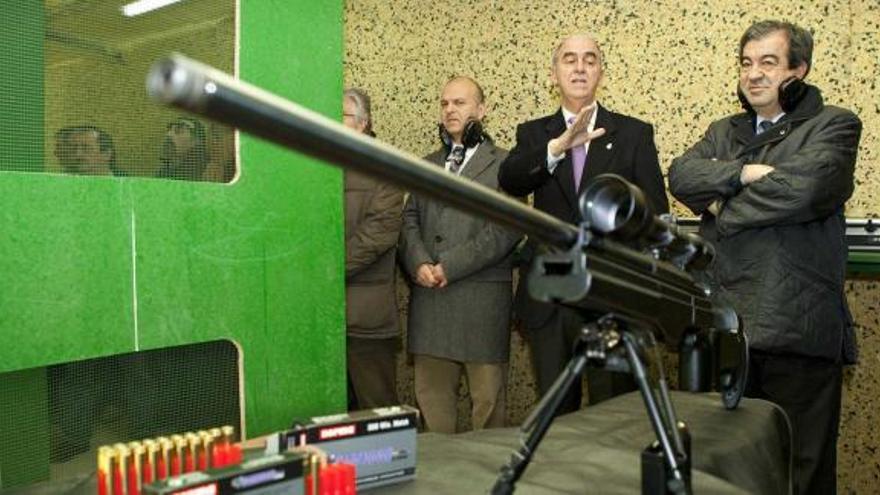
[[578, 159]]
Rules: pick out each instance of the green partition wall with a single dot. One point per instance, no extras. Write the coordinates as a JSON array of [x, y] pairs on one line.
[[94, 266], [21, 85]]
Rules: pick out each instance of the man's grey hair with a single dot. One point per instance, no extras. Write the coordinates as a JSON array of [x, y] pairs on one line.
[[363, 114], [554, 57], [800, 41]]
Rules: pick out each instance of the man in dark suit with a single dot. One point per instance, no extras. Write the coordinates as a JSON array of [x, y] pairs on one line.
[[459, 313], [554, 158]]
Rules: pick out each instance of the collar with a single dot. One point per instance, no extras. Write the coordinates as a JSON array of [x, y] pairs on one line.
[[772, 120], [745, 123], [568, 114]]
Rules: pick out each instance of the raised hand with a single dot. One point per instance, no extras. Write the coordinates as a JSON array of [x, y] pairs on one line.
[[578, 133]]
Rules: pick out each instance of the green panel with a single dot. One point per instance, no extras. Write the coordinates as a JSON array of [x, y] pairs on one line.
[[295, 50], [67, 264], [95, 266], [863, 262], [21, 86]]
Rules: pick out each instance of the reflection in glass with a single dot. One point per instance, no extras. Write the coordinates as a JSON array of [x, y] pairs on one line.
[[89, 112]]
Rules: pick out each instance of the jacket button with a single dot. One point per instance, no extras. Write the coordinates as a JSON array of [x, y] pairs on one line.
[[437, 238]]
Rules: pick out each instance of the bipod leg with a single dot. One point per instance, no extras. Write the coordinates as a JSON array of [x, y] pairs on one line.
[[678, 482], [538, 422]]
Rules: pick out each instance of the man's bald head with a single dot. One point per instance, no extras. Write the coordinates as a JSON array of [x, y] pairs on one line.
[[461, 101], [478, 90]]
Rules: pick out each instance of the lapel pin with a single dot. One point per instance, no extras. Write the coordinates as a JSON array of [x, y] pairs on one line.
[[608, 146]]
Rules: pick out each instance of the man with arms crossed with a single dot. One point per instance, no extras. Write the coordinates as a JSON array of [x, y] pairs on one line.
[[771, 184]]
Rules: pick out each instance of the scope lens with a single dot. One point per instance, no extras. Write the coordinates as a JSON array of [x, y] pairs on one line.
[[611, 205]]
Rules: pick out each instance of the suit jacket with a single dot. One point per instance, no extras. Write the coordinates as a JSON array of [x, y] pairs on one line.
[[626, 149], [372, 225], [469, 319]]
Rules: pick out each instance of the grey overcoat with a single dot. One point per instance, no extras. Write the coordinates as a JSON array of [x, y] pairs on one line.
[[469, 319]]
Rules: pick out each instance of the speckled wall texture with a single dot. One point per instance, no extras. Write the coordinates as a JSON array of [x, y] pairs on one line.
[[671, 63]]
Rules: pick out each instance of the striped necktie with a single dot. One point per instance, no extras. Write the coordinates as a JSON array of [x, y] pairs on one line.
[[763, 126], [455, 159]]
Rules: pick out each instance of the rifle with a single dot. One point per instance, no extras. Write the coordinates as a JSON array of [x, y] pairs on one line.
[[622, 260]]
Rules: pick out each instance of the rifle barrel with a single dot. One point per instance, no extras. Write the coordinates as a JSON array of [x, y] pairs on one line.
[[201, 89]]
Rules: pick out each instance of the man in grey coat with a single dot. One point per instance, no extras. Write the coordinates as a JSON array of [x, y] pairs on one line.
[[771, 184], [459, 313]]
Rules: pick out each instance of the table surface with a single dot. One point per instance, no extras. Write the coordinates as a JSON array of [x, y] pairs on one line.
[[597, 450]]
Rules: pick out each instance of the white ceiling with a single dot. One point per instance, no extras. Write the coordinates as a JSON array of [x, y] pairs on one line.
[[98, 26]]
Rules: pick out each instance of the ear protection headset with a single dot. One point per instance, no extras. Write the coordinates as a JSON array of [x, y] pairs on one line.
[[470, 137], [791, 92]]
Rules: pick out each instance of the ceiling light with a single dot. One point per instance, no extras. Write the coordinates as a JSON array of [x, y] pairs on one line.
[[144, 6]]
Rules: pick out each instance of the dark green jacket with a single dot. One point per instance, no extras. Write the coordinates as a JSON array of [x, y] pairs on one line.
[[372, 224], [780, 241]]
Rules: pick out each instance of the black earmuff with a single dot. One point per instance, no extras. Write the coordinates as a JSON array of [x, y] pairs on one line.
[[791, 92], [472, 135]]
